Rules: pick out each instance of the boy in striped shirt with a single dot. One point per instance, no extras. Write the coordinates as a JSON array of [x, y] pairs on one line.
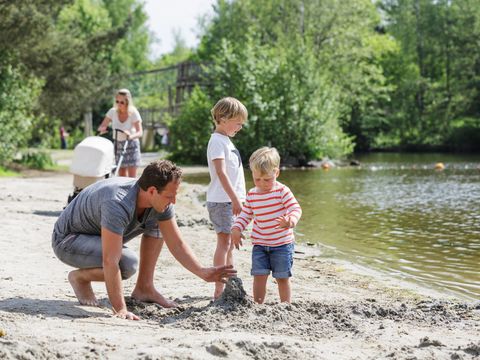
[[275, 212]]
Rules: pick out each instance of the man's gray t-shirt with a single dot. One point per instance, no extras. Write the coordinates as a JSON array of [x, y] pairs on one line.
[[111, 204]]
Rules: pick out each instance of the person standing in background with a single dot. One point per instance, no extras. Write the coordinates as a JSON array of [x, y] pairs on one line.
[[63, 138], [125, 117]]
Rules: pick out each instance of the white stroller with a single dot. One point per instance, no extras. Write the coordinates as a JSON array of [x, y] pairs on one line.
[[94, 160]]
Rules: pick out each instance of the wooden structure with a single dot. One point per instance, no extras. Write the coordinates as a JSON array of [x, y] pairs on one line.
[[189, 75], [172, 84]]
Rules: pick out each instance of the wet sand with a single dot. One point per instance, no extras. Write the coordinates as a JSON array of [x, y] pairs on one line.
[[335, 314]]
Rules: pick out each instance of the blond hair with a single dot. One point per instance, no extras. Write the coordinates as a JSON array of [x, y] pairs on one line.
[[228, 108], [265, 160], [128, 95]]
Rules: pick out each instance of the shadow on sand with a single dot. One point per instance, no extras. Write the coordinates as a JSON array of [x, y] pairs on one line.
[[47, 213], [49, 308]]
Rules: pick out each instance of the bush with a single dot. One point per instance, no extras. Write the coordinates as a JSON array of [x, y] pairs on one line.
[[465, 135], [191, 130], [37, 160], [290, 103], [18, 96]]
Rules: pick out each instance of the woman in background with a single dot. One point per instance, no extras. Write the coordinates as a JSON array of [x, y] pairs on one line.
[[124, 116]]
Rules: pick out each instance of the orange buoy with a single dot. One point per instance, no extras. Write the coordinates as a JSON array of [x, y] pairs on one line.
[[326, 165], [439, 166]]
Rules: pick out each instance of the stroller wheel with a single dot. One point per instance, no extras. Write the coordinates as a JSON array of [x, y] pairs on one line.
[[73, 196]]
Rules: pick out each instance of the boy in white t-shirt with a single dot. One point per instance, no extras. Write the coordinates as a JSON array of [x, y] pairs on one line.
[[226, 191]]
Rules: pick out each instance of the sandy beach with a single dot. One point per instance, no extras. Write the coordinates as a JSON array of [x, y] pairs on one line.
[[336, 313]]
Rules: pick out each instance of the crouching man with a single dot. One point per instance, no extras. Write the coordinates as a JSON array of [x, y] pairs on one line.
[[91, 233]]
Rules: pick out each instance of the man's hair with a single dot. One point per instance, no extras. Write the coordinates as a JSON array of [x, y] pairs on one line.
[[265, 160], [158, 174], [228, 108]]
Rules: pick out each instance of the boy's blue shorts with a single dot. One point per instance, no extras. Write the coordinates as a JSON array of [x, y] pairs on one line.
[[277, 259]]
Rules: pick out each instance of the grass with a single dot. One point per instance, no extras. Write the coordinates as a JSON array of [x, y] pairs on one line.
[[8, 173], [37, 159]]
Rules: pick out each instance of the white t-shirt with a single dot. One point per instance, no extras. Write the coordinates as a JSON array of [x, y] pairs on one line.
[[220, 147], [133, 117]]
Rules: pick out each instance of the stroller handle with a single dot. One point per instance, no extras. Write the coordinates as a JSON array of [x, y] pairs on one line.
[[98, 132], [122, 151]]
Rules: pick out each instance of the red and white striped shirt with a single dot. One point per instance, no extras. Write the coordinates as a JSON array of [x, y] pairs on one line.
[[264, 208]]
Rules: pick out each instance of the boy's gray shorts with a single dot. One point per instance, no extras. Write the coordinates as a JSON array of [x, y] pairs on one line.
[[221, 215]]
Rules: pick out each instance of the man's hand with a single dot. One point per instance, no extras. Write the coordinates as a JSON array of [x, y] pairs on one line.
[[218, 273], [237, 237], [285, 222], [125, 314]]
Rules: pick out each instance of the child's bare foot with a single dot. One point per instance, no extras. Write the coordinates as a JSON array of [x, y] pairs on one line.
[[219, 287], [153, 297], [83, 289]]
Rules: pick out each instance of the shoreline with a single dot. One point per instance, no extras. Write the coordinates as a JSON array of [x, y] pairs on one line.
[[336, 312]]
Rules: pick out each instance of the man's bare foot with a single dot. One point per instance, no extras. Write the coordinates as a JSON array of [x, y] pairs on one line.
[[83, 289], [154, 297]]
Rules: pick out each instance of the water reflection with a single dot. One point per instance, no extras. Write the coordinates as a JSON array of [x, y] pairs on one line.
[[397, 214]]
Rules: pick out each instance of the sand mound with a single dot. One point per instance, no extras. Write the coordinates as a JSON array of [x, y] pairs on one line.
[[234, 295], [236, 311]]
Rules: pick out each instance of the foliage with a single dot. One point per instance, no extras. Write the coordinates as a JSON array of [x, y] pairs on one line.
[[40, 160], [107, 39], [302, 68], [396, 76], [76, 135], [291, 106], [154, 89], [130, 52], [189, 133], [436, 74], [464, 135], [318, 77], [57, 60], [179, 53], [70, 57], [7, 173], [17, 100]]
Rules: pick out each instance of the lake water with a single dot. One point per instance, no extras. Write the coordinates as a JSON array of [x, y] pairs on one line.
[[396, 214]]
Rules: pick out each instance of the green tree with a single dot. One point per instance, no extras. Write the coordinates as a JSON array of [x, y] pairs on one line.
[[303, 68], [68, 51], [436, 73], [190, 131], [17, 99]]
